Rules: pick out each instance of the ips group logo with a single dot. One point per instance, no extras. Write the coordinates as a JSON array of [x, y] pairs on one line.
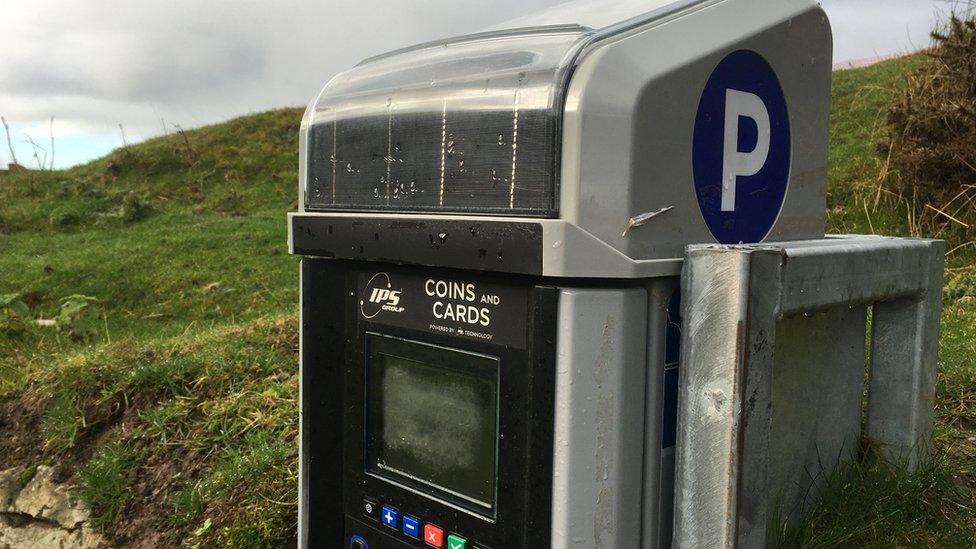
[[378, 295]]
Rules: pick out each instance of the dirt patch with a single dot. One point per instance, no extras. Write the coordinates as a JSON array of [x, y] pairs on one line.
[[20, 441], [144, 521]]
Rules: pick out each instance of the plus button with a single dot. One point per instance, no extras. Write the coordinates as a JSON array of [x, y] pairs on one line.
[[390, 517]]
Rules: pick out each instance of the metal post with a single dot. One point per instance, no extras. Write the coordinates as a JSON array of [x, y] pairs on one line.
[[730, 490]]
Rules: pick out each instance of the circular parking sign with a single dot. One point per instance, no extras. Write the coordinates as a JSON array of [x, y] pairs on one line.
[[741, 149]]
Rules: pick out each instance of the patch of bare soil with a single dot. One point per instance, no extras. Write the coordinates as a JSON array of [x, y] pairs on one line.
[[143, 523], [20, 443]]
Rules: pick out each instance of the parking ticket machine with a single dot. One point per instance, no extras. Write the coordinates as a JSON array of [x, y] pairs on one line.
[[492, 229]]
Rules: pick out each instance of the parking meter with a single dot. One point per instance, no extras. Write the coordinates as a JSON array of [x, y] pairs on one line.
[[492, 229]]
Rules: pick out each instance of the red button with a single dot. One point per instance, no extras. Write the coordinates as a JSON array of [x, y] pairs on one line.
[[433, 535]]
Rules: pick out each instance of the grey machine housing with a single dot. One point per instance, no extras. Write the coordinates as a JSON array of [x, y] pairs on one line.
[[624, 98], [610, 221]]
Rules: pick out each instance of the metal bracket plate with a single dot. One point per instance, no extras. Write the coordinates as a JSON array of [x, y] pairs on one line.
[[774, 331]]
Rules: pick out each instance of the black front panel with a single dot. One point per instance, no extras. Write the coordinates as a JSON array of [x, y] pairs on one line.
[[447, 407], [323, 353], [511, 247]]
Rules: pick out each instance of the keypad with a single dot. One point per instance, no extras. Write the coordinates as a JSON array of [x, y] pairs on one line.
[[412, 527]]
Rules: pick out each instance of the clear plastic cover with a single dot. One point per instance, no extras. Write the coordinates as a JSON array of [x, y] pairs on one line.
[[594, 14], [466, 126]]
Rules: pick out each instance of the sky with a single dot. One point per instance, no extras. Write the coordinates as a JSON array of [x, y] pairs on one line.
[[151, 66]]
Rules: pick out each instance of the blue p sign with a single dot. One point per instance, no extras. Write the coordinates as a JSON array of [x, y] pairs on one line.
[[741, 149]]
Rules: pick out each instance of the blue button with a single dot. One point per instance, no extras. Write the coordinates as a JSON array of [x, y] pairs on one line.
[[411, 526], [390, 516]]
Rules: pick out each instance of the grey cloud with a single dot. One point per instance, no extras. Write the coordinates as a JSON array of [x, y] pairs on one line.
[[96, 63], [90, 63]]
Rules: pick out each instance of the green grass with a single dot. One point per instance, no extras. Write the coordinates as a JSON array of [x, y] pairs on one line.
[[175, 409], [59, 425], [868, 504], [178, 407], [859, 101], [105, 482]]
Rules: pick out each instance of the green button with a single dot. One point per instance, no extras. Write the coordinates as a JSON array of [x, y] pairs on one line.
[[456, 542]]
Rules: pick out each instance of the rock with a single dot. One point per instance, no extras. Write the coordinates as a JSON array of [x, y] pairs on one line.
[[42, 514], [40, 535], [43, 498]]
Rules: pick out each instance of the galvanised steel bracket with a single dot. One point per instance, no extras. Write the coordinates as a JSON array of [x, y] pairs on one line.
[[772, 370]]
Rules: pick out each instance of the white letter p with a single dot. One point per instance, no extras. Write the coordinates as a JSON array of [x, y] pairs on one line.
[[734, 162]]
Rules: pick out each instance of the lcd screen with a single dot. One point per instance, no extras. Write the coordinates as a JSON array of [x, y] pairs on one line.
[[433, 419]]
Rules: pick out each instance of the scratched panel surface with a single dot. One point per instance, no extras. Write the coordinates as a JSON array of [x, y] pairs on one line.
[[467, 125], [466, 161]]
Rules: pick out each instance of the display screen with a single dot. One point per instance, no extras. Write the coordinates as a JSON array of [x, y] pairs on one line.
[[432, 420]]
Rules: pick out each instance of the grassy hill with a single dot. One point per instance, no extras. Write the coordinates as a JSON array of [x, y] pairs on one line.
[[169, 398], [171, 401]]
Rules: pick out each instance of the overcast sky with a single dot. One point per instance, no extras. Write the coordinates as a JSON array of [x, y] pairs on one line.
[[95, 64]]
